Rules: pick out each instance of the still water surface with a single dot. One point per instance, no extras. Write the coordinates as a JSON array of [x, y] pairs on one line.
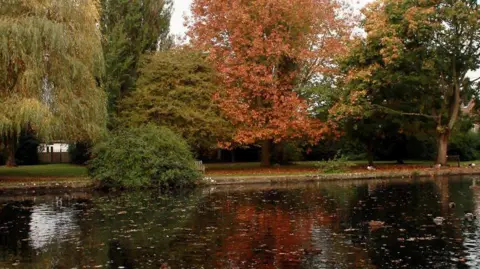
[[368, 224]]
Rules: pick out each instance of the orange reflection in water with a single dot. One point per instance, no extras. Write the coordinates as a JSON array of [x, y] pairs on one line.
[[270, 237]]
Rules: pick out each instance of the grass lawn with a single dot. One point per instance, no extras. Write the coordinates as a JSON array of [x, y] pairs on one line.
[[216, 169], [46, 170]]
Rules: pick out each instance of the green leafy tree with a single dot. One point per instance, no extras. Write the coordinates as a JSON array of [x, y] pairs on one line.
[[414, 62], [175, 89], [366, 128], [51, 62], [131, 28], [146, 156]]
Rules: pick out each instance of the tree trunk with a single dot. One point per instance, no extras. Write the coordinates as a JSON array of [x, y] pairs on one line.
[[370, 153], [442, 147], [11, 149], [278, 151], [400, 149], [454, 109], [266, 153]]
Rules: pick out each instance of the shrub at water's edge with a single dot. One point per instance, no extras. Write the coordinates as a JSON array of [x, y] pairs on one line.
[[147, 156], [339, 164]]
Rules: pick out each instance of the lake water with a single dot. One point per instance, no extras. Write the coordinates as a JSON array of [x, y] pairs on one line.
[[365, 224]]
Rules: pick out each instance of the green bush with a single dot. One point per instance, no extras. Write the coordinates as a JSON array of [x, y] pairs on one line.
[[147, 156], [467, 145], [27, 151], [79, 152], [336, 165], [287, 153]]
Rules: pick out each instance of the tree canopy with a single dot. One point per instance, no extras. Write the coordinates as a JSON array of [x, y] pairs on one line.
[[131, 28], [51, 63], [175, 89], [414, 62], [263, 50]]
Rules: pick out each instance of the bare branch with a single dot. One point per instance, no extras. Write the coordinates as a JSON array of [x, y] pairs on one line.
[[393, 111]]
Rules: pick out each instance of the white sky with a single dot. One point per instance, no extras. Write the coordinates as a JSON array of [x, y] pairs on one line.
[[182, 8]]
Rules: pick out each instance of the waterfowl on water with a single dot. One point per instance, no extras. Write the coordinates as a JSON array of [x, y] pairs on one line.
[[376, 224], [438, 220], [470, 216]]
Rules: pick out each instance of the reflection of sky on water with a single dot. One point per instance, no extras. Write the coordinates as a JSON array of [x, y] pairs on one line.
[[283, 226], [322, 239], [472, 232], [476, 190], [50, 224]]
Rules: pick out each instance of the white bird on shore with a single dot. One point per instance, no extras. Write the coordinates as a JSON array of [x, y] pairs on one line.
[[371, 168], [437, 166], [472, 165]]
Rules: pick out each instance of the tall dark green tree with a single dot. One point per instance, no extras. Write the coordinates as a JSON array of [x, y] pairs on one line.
[[131, 28], [414, 62]]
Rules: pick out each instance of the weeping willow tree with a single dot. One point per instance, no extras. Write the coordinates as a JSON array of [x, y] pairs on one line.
[[50, 63]]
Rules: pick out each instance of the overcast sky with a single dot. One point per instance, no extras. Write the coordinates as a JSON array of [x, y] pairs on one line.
[[182, 7]]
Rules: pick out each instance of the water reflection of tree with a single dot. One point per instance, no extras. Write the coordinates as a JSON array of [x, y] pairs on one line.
[[269, 229], [135, 229], [409, 236], [274, 227], [130, 229], [14, 228], [467, 197], [48, 229]]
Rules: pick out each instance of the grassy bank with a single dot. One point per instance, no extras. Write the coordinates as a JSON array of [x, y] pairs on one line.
[[46, 170], [66, 172], [44, 177]]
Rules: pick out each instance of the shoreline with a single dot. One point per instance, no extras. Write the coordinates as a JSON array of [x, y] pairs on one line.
[[239, 180], [34, 185], [45, 184]]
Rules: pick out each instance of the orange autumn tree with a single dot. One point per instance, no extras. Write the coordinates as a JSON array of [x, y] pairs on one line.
[[263, 50]]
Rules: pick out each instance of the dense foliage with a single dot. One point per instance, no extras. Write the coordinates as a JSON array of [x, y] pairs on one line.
[[175, 89], [289, 77], [147, 156], [263, 50], [79, 152], [414, 63], [50, 64], [27, 149], [131, 28], [338, 164]]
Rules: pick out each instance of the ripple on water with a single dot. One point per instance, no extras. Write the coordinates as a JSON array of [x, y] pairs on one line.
[[369, 224]]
